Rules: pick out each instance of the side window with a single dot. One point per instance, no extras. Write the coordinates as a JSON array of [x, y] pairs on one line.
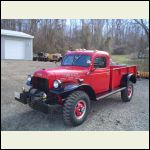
[[100, 62]]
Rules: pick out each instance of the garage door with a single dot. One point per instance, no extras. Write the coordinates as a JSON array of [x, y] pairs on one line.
[[14, 49]]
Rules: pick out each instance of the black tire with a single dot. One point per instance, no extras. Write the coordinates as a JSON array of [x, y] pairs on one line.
[[126, 97], [70, 106]]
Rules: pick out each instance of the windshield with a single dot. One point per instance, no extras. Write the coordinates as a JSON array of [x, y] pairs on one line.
[[76, 60]]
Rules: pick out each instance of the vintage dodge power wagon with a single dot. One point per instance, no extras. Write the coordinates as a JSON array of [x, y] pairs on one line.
[[83, 76]]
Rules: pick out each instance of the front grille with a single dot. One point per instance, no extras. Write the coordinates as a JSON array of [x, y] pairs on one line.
[[40, 83]]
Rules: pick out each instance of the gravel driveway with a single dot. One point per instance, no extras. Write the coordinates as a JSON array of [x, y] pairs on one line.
[[109, 114]]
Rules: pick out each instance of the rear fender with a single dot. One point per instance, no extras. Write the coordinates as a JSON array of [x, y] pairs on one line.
[[132, 78], [126, 78]]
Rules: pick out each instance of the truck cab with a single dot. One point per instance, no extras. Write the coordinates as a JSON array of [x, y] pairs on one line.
[[83, 75], [97, 64]]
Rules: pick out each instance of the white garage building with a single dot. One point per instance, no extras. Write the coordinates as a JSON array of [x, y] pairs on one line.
[[16, 45]]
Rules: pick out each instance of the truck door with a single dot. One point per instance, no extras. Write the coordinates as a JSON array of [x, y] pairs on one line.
[[100, 74]]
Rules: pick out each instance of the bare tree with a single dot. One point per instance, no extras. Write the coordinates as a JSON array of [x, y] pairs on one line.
[[58, 35], [143, 25]]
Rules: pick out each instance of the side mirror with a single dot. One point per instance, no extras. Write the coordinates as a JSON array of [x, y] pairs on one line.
[[92, 68]]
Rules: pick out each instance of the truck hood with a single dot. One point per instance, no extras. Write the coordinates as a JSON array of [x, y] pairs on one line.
[[62, 73]]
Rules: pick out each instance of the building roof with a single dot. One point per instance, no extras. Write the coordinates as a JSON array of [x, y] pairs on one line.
[[15, 33]]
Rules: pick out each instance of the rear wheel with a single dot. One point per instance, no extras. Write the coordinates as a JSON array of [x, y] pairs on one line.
[[76, 108], [127, 94]]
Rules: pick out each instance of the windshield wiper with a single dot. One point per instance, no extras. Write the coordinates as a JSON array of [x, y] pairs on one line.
[[76, 59]]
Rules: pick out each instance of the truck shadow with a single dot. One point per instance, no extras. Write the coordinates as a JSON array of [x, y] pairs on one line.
[[33, 120], [108, 102]]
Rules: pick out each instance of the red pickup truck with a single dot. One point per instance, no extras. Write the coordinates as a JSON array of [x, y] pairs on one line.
[[83, 75]]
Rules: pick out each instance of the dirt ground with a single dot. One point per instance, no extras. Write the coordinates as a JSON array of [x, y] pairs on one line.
[[109, 114]]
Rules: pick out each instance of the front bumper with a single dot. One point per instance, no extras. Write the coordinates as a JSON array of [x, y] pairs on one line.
[[33, 101]]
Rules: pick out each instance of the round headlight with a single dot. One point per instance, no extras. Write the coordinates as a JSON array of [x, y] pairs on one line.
[[29, 80], [57, 83]]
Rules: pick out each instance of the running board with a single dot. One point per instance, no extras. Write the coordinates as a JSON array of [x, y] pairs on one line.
[[109, 93]]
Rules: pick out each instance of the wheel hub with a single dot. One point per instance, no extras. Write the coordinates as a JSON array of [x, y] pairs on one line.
[[80, 109], [129, 91]]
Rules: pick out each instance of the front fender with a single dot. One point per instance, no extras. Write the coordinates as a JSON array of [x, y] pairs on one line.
[[67, 88], [71, 87]]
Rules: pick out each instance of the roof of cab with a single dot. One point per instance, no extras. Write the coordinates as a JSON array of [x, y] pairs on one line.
[[88, 52]]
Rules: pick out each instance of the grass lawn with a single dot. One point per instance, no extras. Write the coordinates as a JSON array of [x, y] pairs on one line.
[[142, 64], [121, 59]]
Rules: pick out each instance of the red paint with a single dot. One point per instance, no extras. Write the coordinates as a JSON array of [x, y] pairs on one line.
[[100, 79], [129, 91], [80, 109], [116, 73]]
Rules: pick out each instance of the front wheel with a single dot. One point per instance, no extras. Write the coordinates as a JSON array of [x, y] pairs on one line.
[[76, 108], [127, 94]]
